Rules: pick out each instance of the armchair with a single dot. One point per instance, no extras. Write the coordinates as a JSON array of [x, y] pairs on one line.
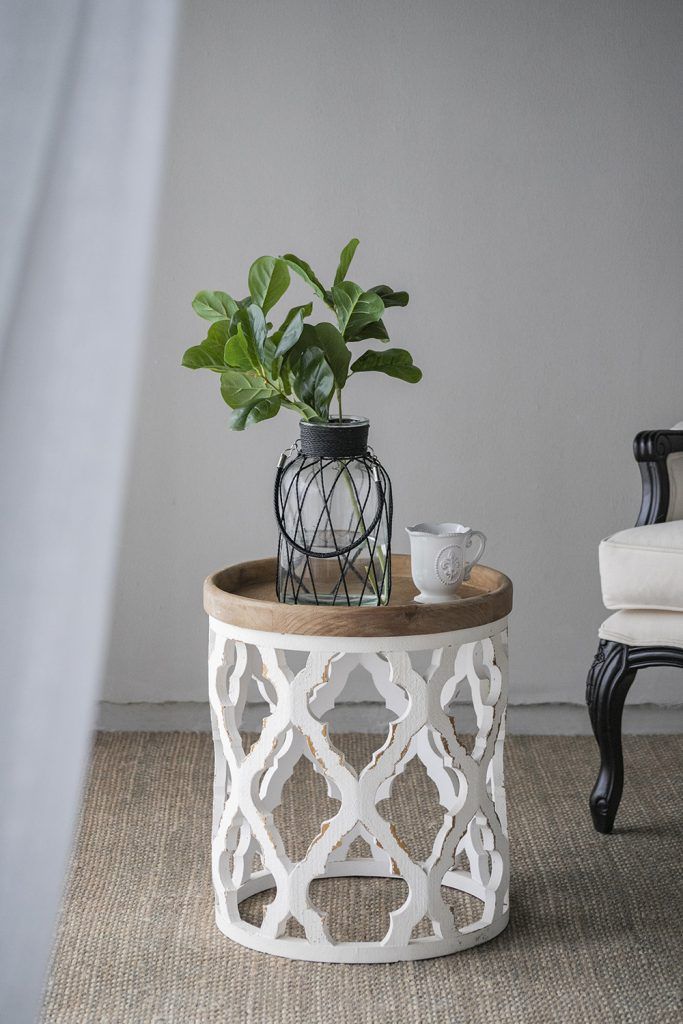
[[641, 573]]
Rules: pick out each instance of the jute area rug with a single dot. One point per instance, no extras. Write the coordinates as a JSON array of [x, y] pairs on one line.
[[596, 932]]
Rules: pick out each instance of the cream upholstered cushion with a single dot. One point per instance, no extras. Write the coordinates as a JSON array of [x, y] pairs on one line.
[[643, 567], [644, 628]]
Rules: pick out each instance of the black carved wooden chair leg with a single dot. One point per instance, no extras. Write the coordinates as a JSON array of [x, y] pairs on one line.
[[609, 680]]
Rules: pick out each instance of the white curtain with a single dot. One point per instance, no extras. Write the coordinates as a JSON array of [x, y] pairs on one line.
[[84, 87]]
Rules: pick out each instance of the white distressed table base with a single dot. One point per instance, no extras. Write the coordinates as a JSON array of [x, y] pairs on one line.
[[357, 952], [248, 787]]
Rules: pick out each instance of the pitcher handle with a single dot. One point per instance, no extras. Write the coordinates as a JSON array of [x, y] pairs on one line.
[[480, 537]]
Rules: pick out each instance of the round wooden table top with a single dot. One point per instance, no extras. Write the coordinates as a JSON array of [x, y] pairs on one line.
[[244, 595]]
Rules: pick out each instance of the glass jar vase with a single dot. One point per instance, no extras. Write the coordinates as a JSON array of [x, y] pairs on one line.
[[333, 508]]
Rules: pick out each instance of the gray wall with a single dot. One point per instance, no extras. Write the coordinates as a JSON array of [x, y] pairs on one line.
[[518, 167]]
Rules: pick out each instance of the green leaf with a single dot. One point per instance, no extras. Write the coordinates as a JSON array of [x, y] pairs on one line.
[[219, 332], [240, 353], [289, 337], [214, 305], [302, 268], [255, 412], [210, 354], [377, 330], [394, 361], [389, 297], [253, 323], [314, 380], [279, 367], [207, 356], [307, 339], [259, 331], [240, 388], [355, 308], [345, 260], [268, 281], [301, 408], [304, 310], [284, 377], [337, 352]]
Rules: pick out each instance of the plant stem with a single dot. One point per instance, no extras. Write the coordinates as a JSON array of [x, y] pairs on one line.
[[339, 404]]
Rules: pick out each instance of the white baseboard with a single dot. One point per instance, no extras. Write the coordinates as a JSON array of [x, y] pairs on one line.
[[523, 719]]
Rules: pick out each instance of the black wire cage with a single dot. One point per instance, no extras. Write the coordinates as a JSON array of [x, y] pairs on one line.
[[333, 507]]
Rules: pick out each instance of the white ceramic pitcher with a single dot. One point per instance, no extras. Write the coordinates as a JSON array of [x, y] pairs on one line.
[[441, 557]]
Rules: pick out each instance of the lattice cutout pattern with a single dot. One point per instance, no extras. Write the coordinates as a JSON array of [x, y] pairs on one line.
[[249, 787]]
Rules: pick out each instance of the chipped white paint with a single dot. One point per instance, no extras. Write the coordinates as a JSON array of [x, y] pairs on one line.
[[248, 787]]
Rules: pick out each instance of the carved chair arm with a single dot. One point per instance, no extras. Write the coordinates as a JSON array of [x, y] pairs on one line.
[[651, 449]]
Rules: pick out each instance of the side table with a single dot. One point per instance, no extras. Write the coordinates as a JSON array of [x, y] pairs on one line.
[[301, 657]]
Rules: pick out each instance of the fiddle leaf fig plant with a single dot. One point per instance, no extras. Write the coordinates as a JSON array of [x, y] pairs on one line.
[[299, 365]]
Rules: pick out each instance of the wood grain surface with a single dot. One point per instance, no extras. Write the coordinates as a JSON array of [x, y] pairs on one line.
[[244, 595]]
